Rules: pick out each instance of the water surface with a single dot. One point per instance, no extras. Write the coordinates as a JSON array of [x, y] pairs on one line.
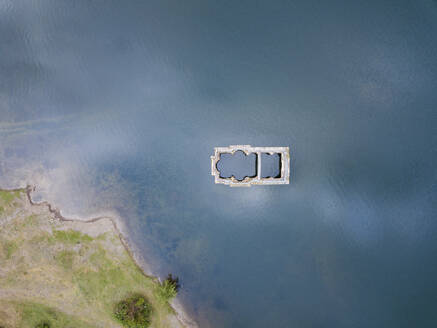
[[116, 107]]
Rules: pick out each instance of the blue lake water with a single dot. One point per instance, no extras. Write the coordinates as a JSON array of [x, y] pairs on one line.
[[116, 107]]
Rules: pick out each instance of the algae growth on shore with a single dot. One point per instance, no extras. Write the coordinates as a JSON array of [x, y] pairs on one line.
[[56, 273]]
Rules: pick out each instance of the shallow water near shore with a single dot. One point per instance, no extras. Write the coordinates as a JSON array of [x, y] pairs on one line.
[[117, 108]]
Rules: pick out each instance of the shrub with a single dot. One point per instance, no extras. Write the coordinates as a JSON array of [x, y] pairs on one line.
[[168, 289], [173, 281], [134, 312]]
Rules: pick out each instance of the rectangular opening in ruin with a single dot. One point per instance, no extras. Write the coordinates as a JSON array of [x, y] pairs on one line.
[[271, 165]]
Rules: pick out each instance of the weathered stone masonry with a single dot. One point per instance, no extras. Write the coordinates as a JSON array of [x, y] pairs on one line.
[[284, 177]]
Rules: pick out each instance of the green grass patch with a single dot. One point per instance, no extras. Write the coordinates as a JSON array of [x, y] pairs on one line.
[[100, 282], [8, 196], [104, 283], [43, 325], [70, 237], [2, 209], [40, 237], [65, 259], [30, 220], [9, 248], [106, 280], [37, 315]]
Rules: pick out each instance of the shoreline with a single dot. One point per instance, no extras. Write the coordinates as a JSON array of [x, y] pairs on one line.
[[175, 304]]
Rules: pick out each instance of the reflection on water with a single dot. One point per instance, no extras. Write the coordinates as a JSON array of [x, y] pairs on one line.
[[117, 108]]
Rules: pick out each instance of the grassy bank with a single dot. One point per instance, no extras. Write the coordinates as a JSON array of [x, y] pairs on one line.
[[67, 274]]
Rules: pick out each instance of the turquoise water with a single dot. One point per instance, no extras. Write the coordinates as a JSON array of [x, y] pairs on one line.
[[116, 107]]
